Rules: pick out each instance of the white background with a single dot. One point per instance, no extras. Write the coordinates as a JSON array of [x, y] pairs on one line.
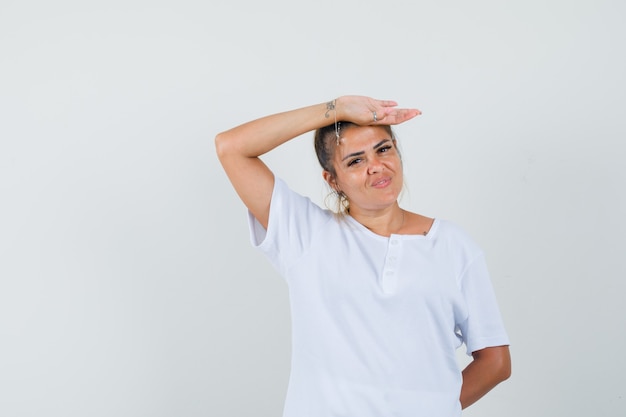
[[128, 286]]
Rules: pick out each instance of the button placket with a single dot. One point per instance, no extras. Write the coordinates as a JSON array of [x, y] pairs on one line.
[[389, 276]]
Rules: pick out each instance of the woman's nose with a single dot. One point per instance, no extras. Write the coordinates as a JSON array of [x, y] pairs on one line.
[[374, 166]]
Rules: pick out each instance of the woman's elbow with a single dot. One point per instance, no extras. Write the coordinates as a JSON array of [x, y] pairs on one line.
[[498, 360], [504, 364], [227, 147], [220, 144]]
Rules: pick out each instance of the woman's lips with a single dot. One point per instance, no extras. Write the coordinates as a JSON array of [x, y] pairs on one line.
[[381, 182]]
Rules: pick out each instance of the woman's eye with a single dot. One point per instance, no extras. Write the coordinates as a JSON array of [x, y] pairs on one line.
[[384, 149], [354, 161]]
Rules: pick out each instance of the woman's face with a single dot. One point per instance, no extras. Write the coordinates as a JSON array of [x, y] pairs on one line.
[[368, 168]]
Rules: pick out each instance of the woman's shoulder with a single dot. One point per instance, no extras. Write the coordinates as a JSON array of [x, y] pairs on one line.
[[286, 198], [417, 224], [456, 235]]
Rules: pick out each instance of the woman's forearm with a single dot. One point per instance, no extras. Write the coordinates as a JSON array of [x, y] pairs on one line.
[[255, 138], [259, 136]]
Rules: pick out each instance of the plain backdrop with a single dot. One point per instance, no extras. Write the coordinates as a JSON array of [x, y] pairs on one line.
[[128, 286]]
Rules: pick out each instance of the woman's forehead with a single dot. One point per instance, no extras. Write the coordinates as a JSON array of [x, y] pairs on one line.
[[361, 138]]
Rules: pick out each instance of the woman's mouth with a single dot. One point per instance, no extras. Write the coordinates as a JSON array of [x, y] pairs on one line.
[[381, 183]]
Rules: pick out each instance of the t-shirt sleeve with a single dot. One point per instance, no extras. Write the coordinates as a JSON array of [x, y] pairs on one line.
[[483, 326], [293, 222]]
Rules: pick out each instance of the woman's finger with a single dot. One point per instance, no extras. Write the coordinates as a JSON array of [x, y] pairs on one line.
[[394, 116]]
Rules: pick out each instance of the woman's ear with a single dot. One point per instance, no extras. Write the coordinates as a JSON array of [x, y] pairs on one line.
[[330, 179]]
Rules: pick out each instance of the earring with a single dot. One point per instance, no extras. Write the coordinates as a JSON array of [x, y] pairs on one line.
[[343, 201]]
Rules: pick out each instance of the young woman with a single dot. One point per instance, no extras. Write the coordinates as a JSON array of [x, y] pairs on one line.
[[381, 297]]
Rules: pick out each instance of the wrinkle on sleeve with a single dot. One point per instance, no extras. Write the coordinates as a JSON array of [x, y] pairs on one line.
[[484, 326], [293, 222]]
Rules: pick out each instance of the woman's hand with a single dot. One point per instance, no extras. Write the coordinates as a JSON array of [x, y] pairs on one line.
[[366, 111]]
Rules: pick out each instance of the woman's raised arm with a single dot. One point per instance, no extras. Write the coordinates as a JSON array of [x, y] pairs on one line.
[[239, 148]]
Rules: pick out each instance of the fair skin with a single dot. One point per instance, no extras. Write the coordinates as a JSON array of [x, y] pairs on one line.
[[368, 170]]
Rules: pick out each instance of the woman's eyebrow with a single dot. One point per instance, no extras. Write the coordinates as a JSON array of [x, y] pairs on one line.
[[353, 154], [381, 143], [378, 145]]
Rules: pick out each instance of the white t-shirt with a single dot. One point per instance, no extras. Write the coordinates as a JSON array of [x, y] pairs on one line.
[[376, 321]]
